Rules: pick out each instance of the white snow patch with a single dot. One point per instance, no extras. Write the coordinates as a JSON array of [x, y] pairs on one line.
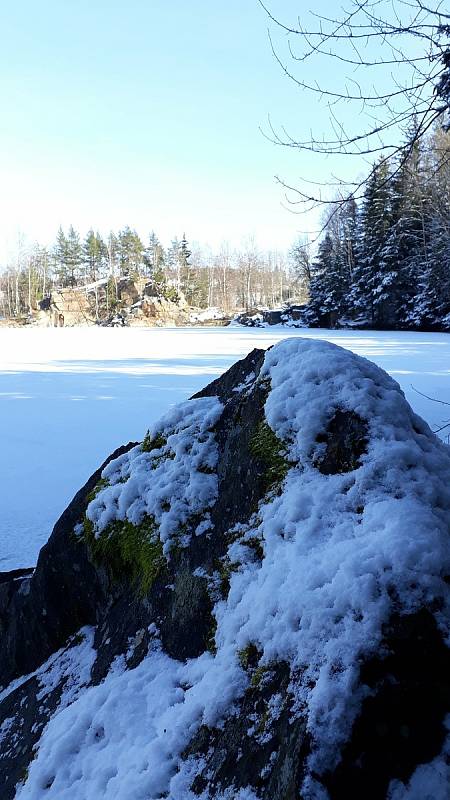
[[170, 483], [72, 665], [73, 662], [246, 383], [211, 313]]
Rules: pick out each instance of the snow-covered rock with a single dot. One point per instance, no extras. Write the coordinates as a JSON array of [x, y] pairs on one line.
[[289, 315], [210, 314], [253, 603]]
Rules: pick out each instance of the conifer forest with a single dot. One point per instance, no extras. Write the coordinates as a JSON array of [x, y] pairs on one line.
[[382, 261]]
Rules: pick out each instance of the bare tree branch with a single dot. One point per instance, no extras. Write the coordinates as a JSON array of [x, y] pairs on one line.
[[411, 36]]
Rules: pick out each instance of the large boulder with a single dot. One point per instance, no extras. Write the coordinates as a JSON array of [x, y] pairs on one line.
[[251, 603]]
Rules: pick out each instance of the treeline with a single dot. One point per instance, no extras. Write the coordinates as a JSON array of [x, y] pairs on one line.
[[385, 261], [228, 279]]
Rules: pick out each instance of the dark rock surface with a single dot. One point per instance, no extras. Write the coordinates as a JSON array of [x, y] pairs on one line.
[[401, 723], [63, 593], [240, 753]]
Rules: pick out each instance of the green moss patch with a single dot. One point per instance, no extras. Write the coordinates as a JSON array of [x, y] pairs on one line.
[[258, 676], [269, 451], [101, 484], [155, 443], [249, 656], [132, 551], [225, 569]]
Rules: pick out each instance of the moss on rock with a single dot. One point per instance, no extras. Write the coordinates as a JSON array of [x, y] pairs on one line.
[[249, 656], [225, 569], [101, 484], [153, 443], [267, 448], [211, 641], [259, 674], [132, 551]]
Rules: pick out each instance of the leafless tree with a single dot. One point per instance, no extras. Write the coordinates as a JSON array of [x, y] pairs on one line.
[[400, 46]]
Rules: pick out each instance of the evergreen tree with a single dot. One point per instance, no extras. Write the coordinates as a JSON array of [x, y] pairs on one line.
[[173, 263], [74, 256], [348, 241], [60, 258], [185, 253], [130, 252], [184, 272], [154, 260], [432, 302], [372, 226], [405, 252], [321, 268], [95, 256], [389, 262], [338, 277]]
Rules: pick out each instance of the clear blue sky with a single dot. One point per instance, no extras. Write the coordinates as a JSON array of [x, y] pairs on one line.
[[147, 113]]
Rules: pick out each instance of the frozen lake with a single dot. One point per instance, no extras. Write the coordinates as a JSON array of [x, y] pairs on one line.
[[68, 397]]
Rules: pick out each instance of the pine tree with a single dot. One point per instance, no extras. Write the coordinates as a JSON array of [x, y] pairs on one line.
[[173, 265], [95, 256], [322, 266], [183, 274], [154, 260], [60, 258], [74, 256], [348, 242], [300, 267], [432, 301], [405, 252], [372, 226], [112, 250], [130, 252], [338, 276]]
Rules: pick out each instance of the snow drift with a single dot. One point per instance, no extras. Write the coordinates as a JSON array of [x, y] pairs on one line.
[[263, 585]]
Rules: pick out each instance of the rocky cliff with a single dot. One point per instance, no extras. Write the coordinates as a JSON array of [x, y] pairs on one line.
[[252, 603], [126, 301]]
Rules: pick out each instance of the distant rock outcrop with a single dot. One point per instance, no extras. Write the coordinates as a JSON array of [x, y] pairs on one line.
[[127, 301], [290, 315], [65, 308], [153, 308], [251, 604]]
